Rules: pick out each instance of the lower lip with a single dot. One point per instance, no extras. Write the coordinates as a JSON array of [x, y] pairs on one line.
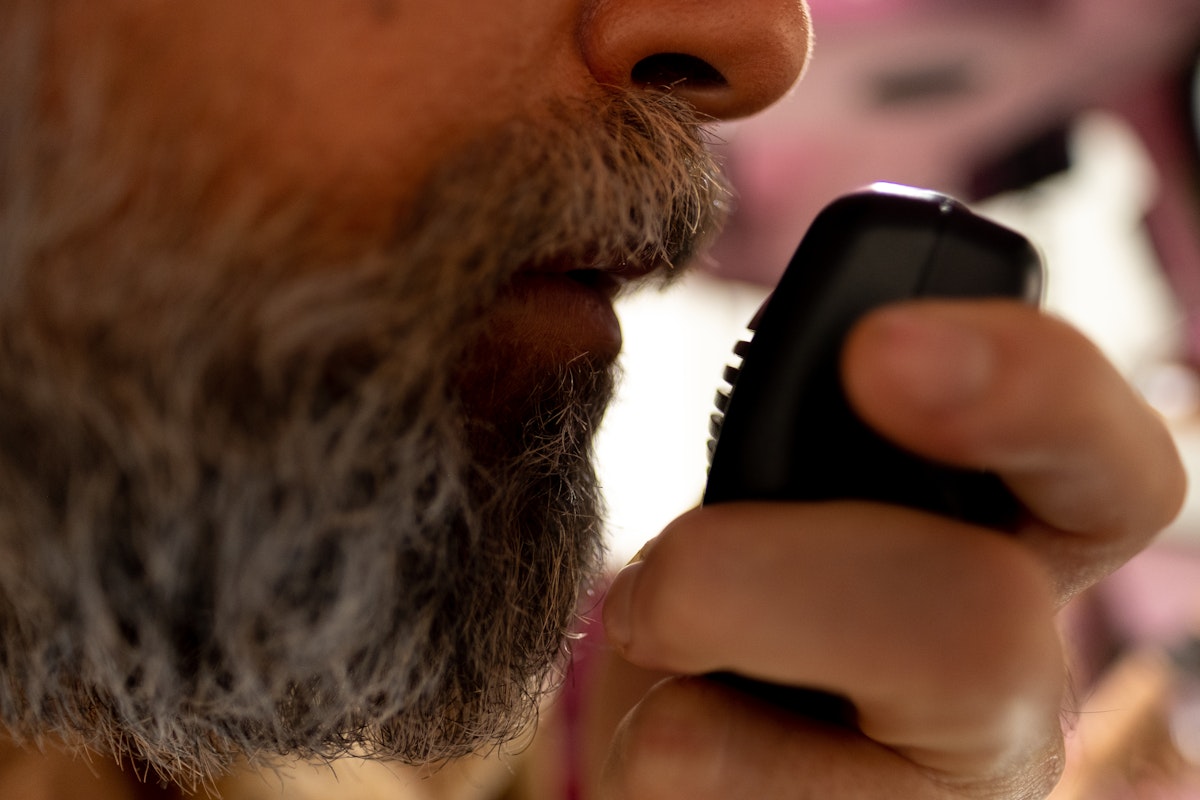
[[556, 317]]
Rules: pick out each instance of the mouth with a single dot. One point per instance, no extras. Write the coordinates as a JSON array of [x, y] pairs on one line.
[[599, 280], [607, 278], [545, 321], [557, 311]]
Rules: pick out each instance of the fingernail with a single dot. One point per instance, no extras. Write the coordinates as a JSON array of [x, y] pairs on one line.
[[937, 363], [618, 606]]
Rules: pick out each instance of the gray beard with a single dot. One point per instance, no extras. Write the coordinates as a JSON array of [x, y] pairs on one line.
[[249, 504]]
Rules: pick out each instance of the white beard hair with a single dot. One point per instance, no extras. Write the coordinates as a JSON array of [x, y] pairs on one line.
[[244, 512]]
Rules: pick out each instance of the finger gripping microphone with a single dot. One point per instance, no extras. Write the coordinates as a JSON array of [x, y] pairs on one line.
[[783, 429]]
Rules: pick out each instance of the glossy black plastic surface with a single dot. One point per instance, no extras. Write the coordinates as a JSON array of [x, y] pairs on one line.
[[785, 431]]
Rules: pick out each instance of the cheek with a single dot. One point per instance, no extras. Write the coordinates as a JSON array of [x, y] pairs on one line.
[[334, 102], [382, 102]]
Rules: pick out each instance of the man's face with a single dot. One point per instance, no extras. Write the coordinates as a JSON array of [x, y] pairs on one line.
[[306, 325]]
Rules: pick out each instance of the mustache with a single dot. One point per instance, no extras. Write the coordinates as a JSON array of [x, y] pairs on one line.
[[625, 181]]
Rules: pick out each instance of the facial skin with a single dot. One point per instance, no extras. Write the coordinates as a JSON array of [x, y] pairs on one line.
[[298, 396]]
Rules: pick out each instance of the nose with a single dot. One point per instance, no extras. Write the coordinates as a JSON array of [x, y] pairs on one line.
[[729, 58]]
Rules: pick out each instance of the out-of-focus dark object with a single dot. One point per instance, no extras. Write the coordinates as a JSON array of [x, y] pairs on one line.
[[971, 98]]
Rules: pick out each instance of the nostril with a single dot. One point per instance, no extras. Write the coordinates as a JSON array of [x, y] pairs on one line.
[[727, 58], [672, 70]]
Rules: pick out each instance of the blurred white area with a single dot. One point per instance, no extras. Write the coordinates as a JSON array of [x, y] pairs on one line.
[[1102, 277], [652, 449], [1101, 269]]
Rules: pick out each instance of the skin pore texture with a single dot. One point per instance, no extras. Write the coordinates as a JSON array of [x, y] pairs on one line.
[[271, 489]]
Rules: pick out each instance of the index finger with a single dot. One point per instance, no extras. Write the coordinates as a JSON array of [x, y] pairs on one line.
[[998, 386], [940, 634]]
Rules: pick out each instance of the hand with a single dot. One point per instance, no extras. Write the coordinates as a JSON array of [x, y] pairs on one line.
[[941, 634]]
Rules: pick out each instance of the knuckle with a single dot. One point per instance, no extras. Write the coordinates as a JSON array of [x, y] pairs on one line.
[[669, 747], [673, 611], [1010, 649]]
